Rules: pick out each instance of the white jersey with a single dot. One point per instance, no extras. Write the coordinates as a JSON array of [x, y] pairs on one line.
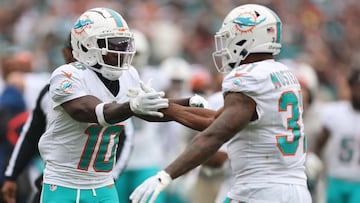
[[272, 149], [33, 88], [147, 133], [216, 101], [344, 152], [77, 154]]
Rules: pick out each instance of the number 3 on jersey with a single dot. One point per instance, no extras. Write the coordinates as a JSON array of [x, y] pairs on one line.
[[104, 157], [285, 144]]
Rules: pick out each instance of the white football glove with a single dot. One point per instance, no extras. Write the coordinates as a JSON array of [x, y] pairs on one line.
[[198, 101], [313, 166], [151, 188], [147, 87], [147, 101]]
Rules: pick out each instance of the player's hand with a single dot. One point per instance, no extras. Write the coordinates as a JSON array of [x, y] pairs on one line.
[[198, 101], [313, 166], [8, 191], [147, 87], [151, 188], [147, 101]]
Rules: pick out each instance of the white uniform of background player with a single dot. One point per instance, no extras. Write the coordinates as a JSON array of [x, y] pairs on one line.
[[345, 134]]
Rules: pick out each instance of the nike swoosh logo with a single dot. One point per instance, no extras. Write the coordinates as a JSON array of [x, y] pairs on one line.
[[69, 75], [237, 74]]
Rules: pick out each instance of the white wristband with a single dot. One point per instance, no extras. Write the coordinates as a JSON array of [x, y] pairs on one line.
[[164, 178], [99, 111]]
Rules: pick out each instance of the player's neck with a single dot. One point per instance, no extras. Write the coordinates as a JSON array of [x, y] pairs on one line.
[[113, 86], [252, 58]]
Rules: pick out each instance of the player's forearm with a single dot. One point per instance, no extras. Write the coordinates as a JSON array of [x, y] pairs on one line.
[[199, 150], [206, 143], [217, 160], [83, 109], [192, 117], [182, 101], [320, 141], [166, 118], [115, 113]]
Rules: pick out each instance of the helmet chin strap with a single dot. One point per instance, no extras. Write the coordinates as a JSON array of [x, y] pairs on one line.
[[110, 74], [107, 73]]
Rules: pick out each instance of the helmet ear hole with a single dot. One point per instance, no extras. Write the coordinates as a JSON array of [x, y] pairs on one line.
[[84, 49], [244, 53], [242, 42]]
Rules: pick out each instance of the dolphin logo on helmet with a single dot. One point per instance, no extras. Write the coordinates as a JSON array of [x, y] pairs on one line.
[[82, 24], [247, 23]]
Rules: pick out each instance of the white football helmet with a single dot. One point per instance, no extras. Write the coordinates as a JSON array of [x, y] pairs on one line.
[[249, 28], [142, 46], [101, 39], [176, 68]]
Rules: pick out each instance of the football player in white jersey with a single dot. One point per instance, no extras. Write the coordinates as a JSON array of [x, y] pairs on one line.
[[261, 117], [90, 109], [341, 132]]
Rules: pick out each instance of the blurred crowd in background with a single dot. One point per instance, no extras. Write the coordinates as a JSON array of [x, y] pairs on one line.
[[322, 33], [321, 37]]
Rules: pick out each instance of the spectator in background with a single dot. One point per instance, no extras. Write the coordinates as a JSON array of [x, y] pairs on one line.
[[24, 151], [17, 70], [12, 103], [201, 80]]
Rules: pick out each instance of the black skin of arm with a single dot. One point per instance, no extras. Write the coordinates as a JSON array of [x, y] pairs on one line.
[[238, 111], [217, 160], [192, 117], [83, 109], [320, 141]]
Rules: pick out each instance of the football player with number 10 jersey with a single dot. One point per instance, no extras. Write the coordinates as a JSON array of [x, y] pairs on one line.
[[90, 109]]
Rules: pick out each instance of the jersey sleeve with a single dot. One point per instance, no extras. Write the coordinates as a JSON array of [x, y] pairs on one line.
[[248, 80], [243, 81], [26, 147], [66, 83]]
